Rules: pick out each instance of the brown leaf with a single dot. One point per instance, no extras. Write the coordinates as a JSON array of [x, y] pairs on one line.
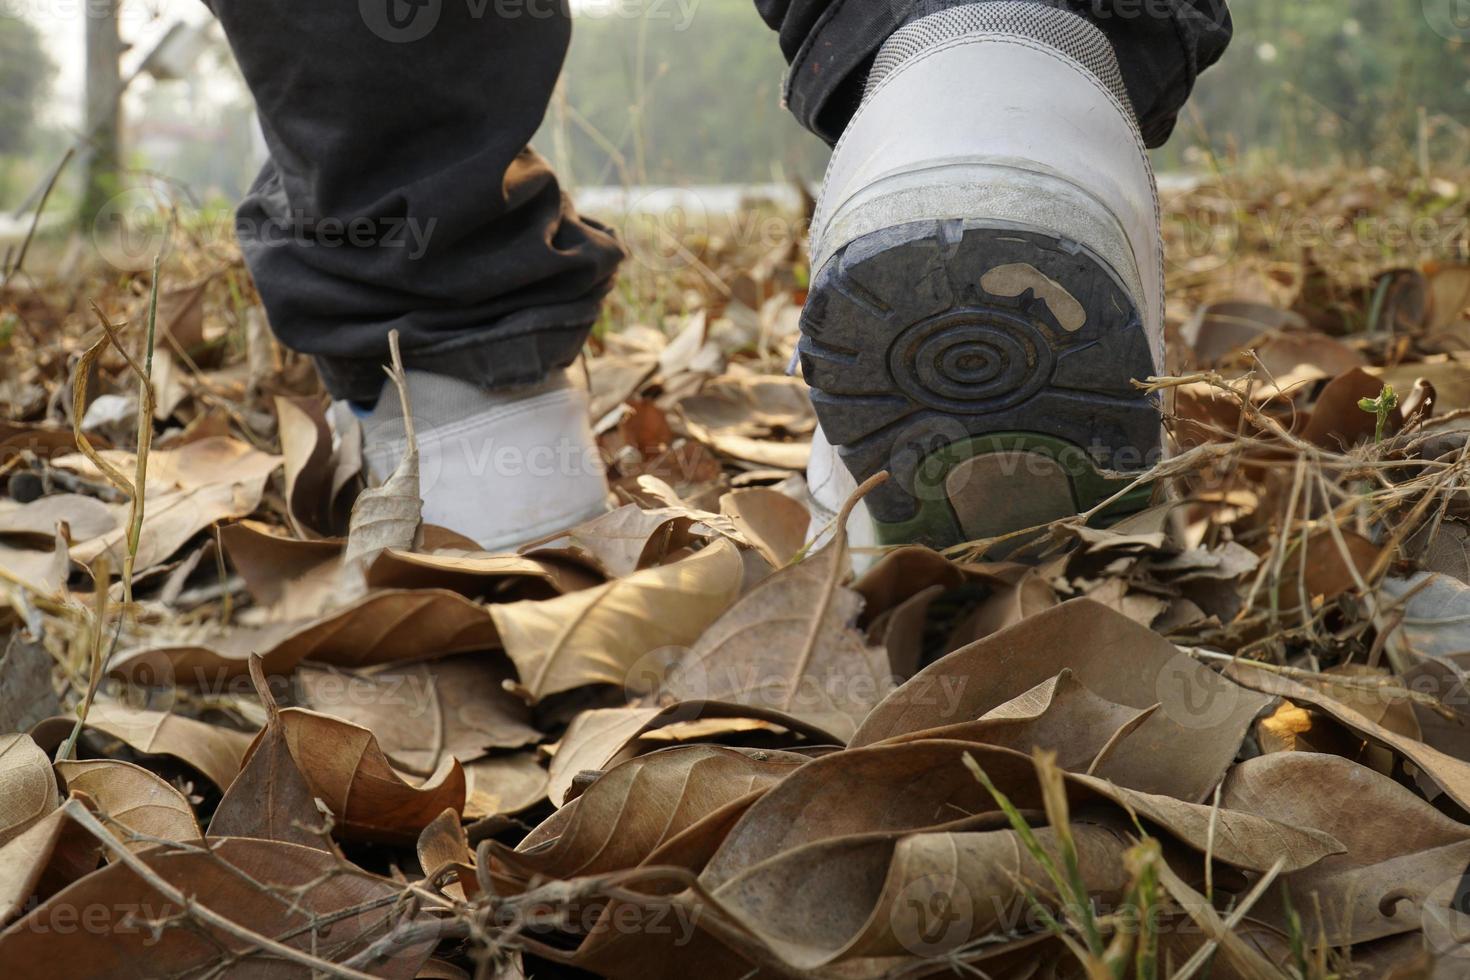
[[924, 786], [34, 524], [294, 579], [188, 489], [1396, 844], [306, 446], [1058, 715], [474, 575], [26, 692], [1449, 295], [134, 799], [388, 626], [597, 635], [874, 891], [604, 737], [344, 766], [1328, 573], [215, 752], [334, 911], [270, 799], [773, 523], [47, 857], [388, 516], [1220, 329], [1182, 749], [503, 784], [458, 706], [27, 787], [443, 845], [1448, 773], [791, 645], [1337, 422], [627, 813]]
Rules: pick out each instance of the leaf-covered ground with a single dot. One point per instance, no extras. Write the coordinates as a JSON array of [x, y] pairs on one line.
[[263, 722]]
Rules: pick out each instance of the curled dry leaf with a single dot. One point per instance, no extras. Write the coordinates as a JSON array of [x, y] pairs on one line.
[[1182, 749], [388, 626], [631, 810], [334, 911], [346, 769], [604, 737], [271, 799], [134, 800], [475, 575], [1394, 842], [774, 524], [188, 489], [51, 854], [213, 751], [306, 447], [502, 784], [924, 786], [596, 636], [458, 706], [443, 847], [27, 787], [1449, 774], [388, 516], [872, 890], [35, 523], [791, 645], [1059, 715]]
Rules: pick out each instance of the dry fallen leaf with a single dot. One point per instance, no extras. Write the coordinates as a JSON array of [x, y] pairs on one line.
[[215, 752], [135, 801], [1181, 749], [334, 911], [271, 799], [791, 645], [27, 787], [188, 489], [597, 635], [346, 769]]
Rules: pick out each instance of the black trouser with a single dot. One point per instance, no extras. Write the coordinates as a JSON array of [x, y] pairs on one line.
[[401, 192]]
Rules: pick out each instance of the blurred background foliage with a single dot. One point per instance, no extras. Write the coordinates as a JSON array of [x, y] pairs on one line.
[[691, 95]]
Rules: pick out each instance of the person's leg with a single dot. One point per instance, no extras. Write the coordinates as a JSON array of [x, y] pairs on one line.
[[1161, 46], [401, 192], [987, 272]]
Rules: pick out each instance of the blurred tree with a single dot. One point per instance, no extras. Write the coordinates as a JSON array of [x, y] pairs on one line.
[[25, 79]]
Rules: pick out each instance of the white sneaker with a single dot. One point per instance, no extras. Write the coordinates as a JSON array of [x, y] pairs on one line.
[[988, 278], [500, 467]]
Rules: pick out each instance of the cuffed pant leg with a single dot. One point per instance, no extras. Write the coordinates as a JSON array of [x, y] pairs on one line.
[[401, 193], [1162, 46]]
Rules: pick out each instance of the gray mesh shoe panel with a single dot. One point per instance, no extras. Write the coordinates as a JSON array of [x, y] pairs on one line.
[[1068, 33]]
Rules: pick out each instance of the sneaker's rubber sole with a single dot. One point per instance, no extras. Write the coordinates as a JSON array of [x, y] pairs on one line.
[[988, 366]]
